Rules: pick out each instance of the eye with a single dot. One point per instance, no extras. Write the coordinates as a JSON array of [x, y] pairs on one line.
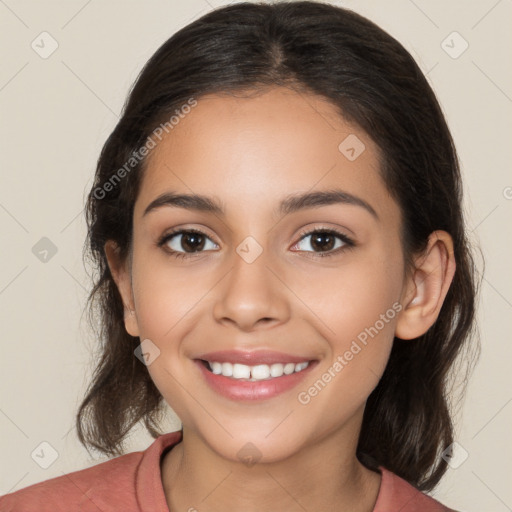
[[192, 240], [324, 240]]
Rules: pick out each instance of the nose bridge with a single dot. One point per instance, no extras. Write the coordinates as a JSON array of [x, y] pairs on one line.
[[251, 291], [251, 261]]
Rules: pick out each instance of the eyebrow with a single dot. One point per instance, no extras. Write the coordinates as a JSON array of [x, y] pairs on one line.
[[289, 204]]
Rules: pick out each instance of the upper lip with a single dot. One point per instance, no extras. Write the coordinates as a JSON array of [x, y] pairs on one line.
[[252, 357]]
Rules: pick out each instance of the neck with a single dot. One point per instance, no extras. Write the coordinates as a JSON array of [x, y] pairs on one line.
[[325, 475]]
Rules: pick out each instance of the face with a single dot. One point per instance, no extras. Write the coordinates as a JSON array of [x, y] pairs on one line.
[[320, 282]]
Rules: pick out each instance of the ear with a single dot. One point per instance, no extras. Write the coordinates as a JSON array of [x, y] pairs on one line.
[[122, 277], [425, 291]]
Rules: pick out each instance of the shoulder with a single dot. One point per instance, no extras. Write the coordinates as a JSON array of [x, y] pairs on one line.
[[86, 490], [130, 482], [397, 494]]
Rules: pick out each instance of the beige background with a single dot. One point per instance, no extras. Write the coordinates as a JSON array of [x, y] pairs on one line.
[[57, 112]]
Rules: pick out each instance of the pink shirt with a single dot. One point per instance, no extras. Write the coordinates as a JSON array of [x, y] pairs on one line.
[[132, 483]]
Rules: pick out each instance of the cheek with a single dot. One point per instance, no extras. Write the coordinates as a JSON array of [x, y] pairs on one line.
[[361, 299], [166, 301], [165, 295], [360, 334], [350, 297], [357, 307]]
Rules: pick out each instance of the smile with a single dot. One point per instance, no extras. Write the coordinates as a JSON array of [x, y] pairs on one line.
[[250, 383], [257, 372]]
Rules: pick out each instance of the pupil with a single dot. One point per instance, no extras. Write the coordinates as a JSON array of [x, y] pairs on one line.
[[316, 241], [191, 240]]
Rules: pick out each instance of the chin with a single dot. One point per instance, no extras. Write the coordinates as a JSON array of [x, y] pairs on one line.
[[256, 447]]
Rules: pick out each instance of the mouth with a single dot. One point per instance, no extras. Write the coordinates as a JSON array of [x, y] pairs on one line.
[[259, 372], [253, 375]]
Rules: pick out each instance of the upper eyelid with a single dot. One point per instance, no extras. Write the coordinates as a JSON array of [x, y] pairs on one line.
[[180, 231]]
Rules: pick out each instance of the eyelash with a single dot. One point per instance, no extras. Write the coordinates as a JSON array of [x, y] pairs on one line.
[[349, 243]]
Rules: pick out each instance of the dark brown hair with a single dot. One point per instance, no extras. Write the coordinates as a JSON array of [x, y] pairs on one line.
[[375, 83]]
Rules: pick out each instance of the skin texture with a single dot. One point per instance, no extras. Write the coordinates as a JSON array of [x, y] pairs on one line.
[[250, 153]]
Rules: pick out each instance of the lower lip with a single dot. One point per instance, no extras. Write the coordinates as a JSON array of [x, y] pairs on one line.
[[236, 389]]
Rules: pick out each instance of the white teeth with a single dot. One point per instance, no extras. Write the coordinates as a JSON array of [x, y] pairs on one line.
[[289, 368], [276, 370], [227, 369], [240, 371], [216, 368], [257, 372], [260, 372]]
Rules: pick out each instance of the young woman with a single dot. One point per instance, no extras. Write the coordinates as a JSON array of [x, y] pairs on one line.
[[282, 259]]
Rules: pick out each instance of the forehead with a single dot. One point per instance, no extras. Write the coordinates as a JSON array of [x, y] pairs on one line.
[[252, 151]]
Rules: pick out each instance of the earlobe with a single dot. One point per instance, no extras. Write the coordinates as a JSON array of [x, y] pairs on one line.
[[121, 276], [426, 289]]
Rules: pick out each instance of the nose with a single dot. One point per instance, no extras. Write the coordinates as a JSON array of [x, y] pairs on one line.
[[252, 295]]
